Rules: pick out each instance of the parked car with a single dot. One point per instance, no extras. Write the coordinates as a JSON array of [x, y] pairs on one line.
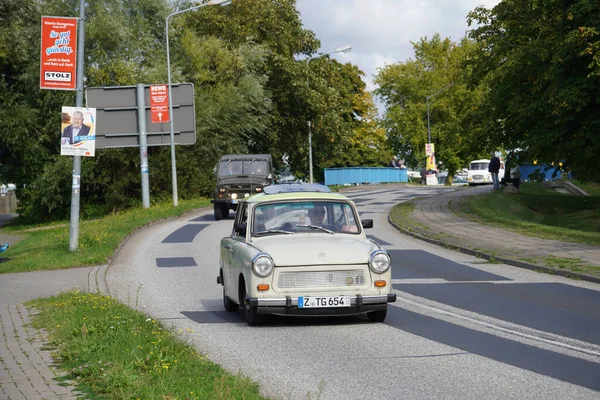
[[478, 173], [298, 249]]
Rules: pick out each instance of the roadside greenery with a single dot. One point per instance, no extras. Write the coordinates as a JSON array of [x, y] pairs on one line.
[[540, 211], [254, 90], [47, 247], [108, 350]]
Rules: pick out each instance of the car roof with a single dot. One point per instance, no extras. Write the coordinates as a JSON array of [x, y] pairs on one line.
[[479, 161], [245, 157], [295, 191]]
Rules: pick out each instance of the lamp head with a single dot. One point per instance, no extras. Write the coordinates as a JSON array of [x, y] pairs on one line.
[[344, 49], [221, 3]]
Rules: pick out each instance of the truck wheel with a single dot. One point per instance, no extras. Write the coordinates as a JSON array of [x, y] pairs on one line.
[[225, 212], [218, 212]]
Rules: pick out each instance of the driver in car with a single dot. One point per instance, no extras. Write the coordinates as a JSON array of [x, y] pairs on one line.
[[316, 215]]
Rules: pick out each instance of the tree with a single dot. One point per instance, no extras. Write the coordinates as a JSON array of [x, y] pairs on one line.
[[540, 60], [404, 88]]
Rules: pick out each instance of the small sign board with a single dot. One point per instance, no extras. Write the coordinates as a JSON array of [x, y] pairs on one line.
[[117, 116], [58, 62], [78, 131], [159, 104]]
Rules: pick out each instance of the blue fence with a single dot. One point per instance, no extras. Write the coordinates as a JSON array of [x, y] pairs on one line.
[[358, 175], [527, 169]]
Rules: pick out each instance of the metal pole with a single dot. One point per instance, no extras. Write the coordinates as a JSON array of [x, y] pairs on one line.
[[76, 181], [310, 163], [428, 127], [141, 106], [173, 164], [344, 49]]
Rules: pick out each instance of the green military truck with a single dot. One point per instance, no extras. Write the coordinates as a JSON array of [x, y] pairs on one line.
[[239, 176]]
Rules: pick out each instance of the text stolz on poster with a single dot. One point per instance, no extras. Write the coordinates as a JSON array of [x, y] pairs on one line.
[[78, 131], [58, 66]]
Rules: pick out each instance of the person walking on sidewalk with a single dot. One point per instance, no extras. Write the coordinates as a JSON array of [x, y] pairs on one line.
[[494, 169]]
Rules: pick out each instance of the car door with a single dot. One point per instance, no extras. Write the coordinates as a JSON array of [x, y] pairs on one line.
[[231, 246]]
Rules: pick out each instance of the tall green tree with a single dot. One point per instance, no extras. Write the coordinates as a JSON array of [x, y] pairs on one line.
[[437, 67], [540, 60]]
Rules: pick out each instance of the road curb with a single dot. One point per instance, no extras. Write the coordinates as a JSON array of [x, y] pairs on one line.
[[508, 261]]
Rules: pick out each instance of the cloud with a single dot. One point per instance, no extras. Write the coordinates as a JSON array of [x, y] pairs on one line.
[[380, 31]]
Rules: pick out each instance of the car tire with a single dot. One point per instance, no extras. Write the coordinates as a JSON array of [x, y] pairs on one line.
[[377, 316], [218, 212], [253, 318]]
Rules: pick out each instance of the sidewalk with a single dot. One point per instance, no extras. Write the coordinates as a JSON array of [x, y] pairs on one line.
[[25, 365], [438, 220]]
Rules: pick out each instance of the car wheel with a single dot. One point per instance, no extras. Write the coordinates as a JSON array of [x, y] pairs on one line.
[[218, 212], [253, 318], [377, 316], [225, 212], [229, 304]]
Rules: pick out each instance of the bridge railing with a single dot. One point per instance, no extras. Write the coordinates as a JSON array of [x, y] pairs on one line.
[[359, 175]]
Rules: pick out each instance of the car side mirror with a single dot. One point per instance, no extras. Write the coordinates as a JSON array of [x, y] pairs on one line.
[[240, 229], [367, 223]]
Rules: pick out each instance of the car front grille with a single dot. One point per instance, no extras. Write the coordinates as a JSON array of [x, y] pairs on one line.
[[477, 176], [345, 278]]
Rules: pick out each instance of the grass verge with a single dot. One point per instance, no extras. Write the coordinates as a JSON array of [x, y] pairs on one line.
[[48, 248], [539, 211], [110, 351]]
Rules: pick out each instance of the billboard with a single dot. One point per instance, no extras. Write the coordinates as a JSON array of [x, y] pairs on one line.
[[78, 131], [430, 153], [58, 62]]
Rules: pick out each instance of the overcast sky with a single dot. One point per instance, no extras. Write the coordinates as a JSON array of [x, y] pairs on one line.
[[380, 31]]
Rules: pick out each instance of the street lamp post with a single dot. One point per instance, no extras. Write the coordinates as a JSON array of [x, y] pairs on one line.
[[344, 49], [173, 164], [427, 100]]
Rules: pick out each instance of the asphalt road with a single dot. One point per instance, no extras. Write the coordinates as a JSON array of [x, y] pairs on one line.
[[460, 329]]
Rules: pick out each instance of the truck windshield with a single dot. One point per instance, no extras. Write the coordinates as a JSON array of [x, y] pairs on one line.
[[480, 166], [243, 167]]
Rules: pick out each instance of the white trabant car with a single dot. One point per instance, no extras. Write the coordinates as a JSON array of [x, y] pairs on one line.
[[299, 249]]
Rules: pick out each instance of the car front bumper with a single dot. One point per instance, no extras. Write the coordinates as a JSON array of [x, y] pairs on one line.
[[289, 305]]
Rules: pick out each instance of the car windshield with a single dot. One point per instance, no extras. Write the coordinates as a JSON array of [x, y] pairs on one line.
[[479, 166], [243, 167], [304, 216]]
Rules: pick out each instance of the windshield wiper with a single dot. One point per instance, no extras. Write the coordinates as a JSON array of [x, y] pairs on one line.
[[317, 227], [274, 231]]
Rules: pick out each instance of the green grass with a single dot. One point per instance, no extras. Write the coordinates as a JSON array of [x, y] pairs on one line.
[[541, 212], [110, 351], [48, 248]]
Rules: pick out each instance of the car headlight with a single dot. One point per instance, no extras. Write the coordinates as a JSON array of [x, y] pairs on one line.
[[380, 261], [222, 190], [262, 265], [234, 196], [258, 189]]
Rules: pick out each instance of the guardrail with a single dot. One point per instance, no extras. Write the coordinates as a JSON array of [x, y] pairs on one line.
[[362, 175]]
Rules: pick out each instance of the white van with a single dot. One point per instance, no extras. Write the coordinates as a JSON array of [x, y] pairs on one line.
[[478, 173]]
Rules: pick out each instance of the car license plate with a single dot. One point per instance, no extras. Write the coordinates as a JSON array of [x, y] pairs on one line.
[[323, 301]]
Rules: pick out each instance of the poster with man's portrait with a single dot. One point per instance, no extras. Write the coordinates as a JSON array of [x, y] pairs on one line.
[[78, 131]]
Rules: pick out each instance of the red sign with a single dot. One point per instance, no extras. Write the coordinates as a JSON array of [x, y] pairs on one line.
[[58, 63], [159, 103]]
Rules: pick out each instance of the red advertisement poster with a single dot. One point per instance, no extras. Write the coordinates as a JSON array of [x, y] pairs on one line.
[[159, 104], [58, 62]]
